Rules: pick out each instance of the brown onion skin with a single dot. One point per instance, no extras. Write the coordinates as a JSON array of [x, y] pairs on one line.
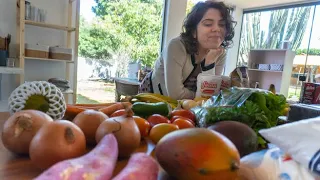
[[126, 132], [88, 121], [57, 141], [20, 128]]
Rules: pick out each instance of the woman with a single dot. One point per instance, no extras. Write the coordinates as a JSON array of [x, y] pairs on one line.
[[207, 31]]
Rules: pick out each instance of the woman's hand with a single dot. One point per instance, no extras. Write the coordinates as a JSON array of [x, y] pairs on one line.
[[213, 55]]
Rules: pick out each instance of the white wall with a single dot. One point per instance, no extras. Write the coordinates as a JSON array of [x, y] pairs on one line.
[[175, 14], [35, 69]]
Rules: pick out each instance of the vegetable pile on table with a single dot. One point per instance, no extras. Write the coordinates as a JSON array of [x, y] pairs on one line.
[[89, 140], [259, 109]]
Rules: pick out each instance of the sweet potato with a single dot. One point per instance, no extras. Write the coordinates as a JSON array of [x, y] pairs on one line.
[[98, 164], [140, 167]]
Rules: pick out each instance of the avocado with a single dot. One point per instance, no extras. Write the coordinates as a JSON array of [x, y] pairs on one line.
[[242, 136]]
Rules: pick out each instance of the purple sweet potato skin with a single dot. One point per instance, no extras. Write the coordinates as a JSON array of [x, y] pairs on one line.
[[140, 167], [98, 164]]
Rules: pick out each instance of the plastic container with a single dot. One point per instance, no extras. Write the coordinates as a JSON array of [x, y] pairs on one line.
[[264, 66], [225, 83], [208, 85], [27, 10], [276, 67], [60, 53], [36, 50]]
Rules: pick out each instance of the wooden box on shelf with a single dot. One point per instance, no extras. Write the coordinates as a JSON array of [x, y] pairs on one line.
[[280, 78], [60, 53], [36, 50]]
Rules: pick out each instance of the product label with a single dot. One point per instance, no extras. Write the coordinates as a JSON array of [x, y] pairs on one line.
[[207, 84]]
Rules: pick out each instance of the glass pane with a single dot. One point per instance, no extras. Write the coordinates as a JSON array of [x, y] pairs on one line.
[[313, 62], [270, 29], [117, 39], [300, 64]]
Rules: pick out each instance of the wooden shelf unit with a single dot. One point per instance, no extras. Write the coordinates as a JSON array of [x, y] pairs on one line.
[[21, 22], [11, 70], [50, 26], [47, 59], [281, 79], [265, 70]]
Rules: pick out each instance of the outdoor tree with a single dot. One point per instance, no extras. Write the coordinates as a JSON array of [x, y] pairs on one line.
[[136, 23], [96, 41], [285, 24]]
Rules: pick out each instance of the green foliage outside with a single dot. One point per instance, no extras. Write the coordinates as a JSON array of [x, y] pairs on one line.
[[312, 51], [123, 29]]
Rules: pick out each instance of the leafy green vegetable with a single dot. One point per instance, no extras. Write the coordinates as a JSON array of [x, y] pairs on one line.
[[257, 109]]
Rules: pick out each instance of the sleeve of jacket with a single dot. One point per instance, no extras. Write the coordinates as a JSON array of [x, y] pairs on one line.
[[220, 65], [174, 58]]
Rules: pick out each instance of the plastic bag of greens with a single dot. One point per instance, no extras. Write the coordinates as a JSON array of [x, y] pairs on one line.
[[257, 108]]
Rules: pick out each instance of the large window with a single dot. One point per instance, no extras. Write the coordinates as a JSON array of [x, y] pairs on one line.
[[117, 39], [269, 28]]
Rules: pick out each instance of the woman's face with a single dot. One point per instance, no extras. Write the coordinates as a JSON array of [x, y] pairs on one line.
[[211, 30]]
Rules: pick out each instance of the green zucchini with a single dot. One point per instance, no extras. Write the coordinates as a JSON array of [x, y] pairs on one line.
[[147, 109]]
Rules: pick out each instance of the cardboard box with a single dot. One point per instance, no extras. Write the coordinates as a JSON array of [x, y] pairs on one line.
[[310, 93]]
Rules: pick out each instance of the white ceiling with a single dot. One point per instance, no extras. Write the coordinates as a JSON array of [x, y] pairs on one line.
[[251, 4]]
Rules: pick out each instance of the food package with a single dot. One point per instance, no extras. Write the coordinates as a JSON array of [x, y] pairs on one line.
[[208, 85], [310, 93], [225, 83], [239, 77], [300, 140], [272, 164]]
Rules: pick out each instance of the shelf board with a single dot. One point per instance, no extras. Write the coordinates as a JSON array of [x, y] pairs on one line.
[[10, 70], [46, 59], [264, 70], [4, 107], [51, 26]]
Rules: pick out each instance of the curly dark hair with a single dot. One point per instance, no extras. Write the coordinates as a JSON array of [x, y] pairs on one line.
[[195, 16]]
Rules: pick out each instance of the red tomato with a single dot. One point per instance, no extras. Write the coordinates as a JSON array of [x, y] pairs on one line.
[[157, 119], [183, 124], [180, 117], [118, 113], [184, 113], [143, 125]]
